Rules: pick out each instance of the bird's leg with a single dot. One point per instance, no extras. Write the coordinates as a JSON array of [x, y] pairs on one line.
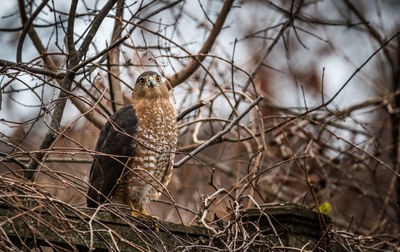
[[144, 215], [137, 213], [144, 212]]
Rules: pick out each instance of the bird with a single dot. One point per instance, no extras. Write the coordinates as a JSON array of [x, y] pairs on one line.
[[135, 149]]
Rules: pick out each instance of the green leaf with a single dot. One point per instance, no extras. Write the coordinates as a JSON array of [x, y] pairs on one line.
[[325, 208]]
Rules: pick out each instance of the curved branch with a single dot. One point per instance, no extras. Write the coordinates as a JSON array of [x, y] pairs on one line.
[[27, 25], [200, 104], [218, 135], [183, 74]]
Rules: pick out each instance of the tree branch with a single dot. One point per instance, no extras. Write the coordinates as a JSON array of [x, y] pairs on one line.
[[49, 62], [190, 109], [73, 59], [27, 25], [94, 27], [375, 34], [115, 87], [31, 69], [219, 134], [183, 74]]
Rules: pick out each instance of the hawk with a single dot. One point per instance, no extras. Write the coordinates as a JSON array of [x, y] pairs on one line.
[[136, 148]]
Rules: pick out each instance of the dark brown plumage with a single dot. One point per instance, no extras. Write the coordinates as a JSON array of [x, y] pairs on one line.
[[115, 139]]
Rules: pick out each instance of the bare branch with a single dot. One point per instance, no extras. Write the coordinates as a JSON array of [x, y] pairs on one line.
[[190, 68], [31, 69], [74, 58], [115, 87], [219, 134]]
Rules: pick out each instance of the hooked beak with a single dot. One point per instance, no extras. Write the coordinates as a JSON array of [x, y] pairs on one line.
[[151, 81]]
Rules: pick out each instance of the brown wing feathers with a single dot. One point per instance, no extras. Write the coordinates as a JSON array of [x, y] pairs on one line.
[[115, 140]]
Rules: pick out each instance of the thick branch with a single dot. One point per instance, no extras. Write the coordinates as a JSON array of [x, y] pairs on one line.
[[51, 134], [183, 74], [70, 31]]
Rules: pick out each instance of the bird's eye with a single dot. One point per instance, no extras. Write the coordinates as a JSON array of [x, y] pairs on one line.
[[141, 82], [158, 78]]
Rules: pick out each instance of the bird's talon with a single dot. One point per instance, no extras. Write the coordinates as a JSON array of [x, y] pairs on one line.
[[144, 215]]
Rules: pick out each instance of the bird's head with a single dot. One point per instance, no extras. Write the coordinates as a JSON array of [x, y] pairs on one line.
[[149, 85]]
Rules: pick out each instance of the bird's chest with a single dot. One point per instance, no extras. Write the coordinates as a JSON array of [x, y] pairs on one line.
[[156, 137], [157, 129], [150, 165]]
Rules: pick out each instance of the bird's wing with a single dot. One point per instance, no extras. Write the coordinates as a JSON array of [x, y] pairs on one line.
[[116, 138]]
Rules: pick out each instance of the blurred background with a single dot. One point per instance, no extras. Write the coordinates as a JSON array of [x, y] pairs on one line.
[[326, 130]]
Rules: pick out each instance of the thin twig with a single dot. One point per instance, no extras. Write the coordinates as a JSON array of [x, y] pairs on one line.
[[218, 135]]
